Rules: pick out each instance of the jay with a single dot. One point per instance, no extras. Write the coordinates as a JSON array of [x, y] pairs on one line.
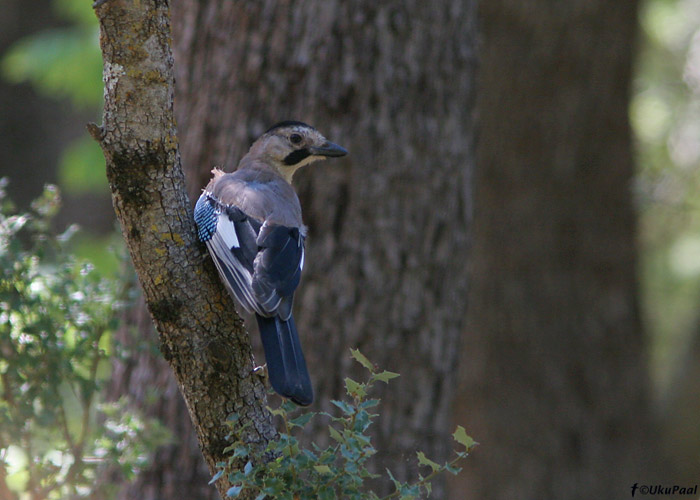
[[250, 221]]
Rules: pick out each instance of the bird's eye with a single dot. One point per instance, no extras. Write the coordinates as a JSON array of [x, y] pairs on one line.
[[295, 138]]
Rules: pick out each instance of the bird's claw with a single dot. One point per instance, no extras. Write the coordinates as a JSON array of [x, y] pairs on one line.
[[261, 371]]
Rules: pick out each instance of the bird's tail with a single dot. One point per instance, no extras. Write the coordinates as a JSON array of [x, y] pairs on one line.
[[285, 360]]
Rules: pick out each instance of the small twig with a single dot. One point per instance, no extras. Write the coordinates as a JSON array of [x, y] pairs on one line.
[[94, 129]]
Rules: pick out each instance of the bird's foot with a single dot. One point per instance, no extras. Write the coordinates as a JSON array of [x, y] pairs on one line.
[[261, 371]]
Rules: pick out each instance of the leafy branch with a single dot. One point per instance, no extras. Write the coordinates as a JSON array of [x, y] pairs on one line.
[[284, 470]]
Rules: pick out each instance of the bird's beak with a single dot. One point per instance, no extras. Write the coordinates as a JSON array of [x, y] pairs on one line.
[[328, 149]]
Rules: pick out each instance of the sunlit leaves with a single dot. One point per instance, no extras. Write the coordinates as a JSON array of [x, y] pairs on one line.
[[460, 435], [57, 315]]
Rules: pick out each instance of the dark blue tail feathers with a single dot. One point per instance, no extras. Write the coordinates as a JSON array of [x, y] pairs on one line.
[[286, 366]]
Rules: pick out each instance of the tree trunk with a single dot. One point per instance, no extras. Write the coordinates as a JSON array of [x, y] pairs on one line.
[[678, 417], [389, 225], [556, 388], [201, 336]]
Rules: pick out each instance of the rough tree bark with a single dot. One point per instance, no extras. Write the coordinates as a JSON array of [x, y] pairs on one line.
[[201, 336], [556, 386], [387, 248]]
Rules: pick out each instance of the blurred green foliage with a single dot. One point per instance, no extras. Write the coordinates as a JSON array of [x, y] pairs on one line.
[[665, 115], [61, 62], [286, 471], [65, 63], [57, 316], [81, 168]]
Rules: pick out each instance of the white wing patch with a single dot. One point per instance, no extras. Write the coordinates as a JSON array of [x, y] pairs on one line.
[[227, 230], [229, 267]]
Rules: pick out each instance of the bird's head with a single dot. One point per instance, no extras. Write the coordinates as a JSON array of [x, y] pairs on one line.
[[290, 145]]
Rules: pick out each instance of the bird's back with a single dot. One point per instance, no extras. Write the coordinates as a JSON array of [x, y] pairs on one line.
[[260, 193]]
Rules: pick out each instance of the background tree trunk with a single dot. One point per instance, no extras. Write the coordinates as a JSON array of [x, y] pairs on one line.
[[556, 381], [679, 409], [388, 226]]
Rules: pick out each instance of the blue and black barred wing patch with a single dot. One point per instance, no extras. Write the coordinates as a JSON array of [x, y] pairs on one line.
[[206, 217]]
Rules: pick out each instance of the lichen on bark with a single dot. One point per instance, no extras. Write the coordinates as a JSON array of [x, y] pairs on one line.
[[202, 337]]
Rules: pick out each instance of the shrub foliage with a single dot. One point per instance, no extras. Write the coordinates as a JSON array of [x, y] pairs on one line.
[[284, 470], [57, 315]]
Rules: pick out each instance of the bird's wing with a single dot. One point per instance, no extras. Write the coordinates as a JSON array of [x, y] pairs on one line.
[[260, 264]]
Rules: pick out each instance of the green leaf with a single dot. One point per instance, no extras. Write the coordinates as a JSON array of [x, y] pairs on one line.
[[396, 482], [452, 469], [460, 435], [347, 409], [216, 476], [326, 493], [369, 403], [335, 434], [301, 420], [410, 491], [362, 421], [423, 460], [350, 453], [248, 468], [355, 389], [322, 469], [360, 358], [385, 376], [288, 406], [234, 491]]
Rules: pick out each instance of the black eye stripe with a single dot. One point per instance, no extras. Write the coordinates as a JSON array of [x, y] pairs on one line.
[[296, 156]]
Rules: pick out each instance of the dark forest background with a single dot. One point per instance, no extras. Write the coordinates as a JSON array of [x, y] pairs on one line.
[[515, 230]]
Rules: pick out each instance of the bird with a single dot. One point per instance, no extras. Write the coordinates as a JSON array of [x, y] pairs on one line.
[[251, 223]]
